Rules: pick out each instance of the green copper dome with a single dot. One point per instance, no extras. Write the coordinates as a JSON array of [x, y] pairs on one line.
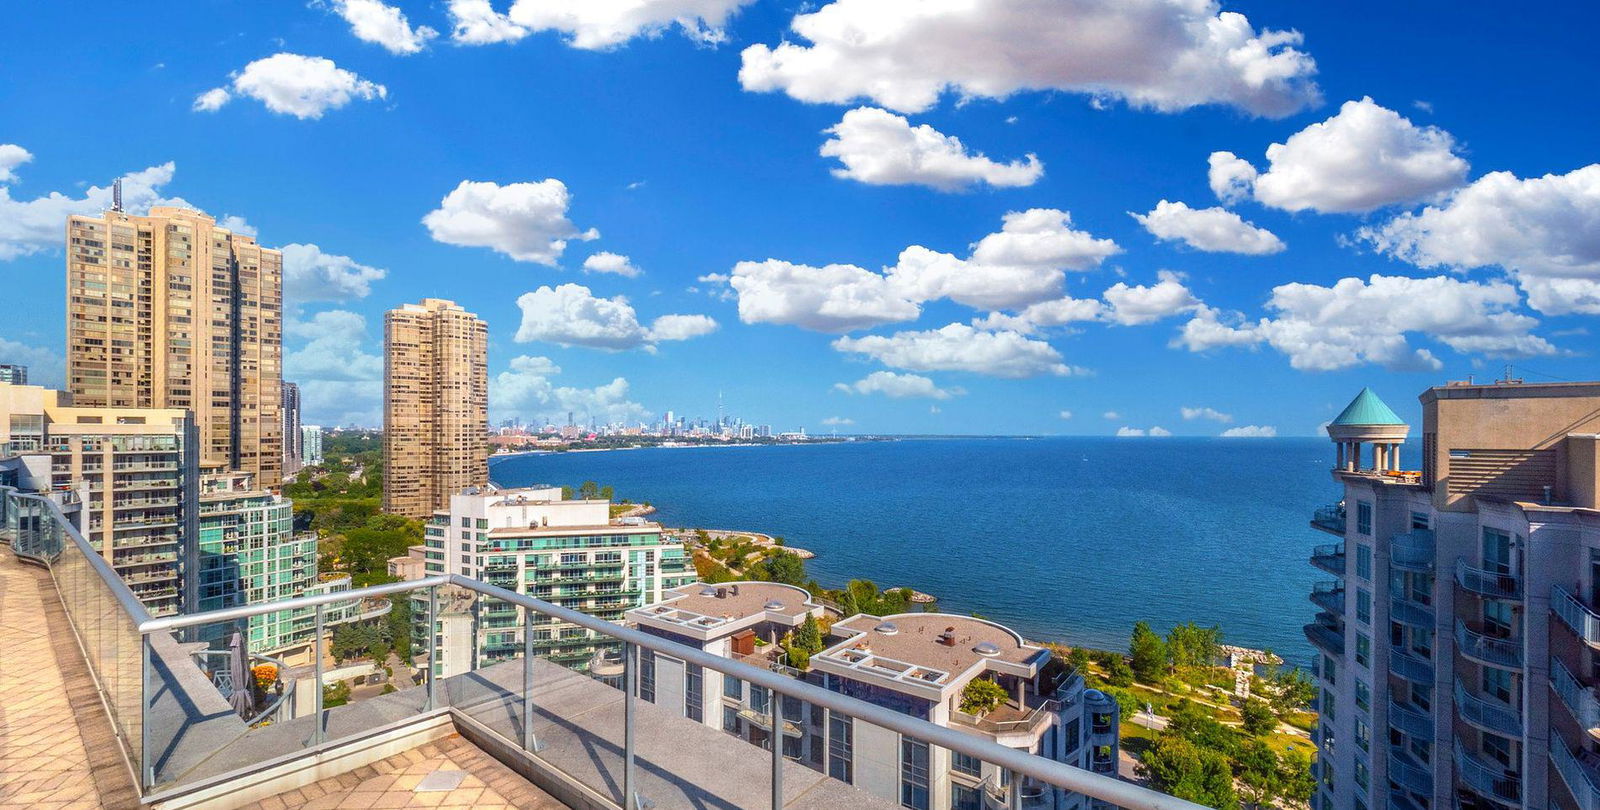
[[1367, 409]]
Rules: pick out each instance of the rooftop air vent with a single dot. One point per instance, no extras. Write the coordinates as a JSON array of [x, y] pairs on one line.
[[773, 604], [986, 649], [948, 637], [887, 628], [708, 591]]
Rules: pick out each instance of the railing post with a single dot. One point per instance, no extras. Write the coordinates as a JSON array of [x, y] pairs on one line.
[[630, 678], [433, 643], [316, 732], [147, 775], [775, 712], [1014, 797], [528, 742]]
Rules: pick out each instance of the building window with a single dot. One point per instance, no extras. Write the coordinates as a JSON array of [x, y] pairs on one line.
[[730, 719], [1497, 683], [1327, 705], [962, 763], [1364, 518], [1364, 561], [1073, 734], [1329, 671], [1496, 551], [1362, 777], [1363, 696], [841, 734], [466, 523], [964, 798], [759, 699], [732, 687], [1364, 606], [647, 675], [1497, 748], [913, 774], [1364, 649], [694, 693], [1419, 520], [1363, 734]]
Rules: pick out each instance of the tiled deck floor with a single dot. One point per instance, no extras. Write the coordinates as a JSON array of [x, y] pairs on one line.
[[393, 783], [44, 743]]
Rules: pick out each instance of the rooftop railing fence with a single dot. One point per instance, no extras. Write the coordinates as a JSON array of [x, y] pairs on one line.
[[629, 747]]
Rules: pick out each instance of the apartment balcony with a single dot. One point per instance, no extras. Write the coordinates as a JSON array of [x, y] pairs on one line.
[[1576, 615], [1579, 699], [1410, 666], [1488, 647], [1577, 771], [1487, 714], [1412, 551], [1329, 558], [1410, 720], [1329, 596], [1488, 778], [1326, 635], [1329, 519], [1411, 612], [1400, 800], [1011, 721], [1408, 773], [1489, 584]]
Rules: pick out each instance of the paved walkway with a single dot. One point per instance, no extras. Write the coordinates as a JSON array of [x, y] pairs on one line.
[[448, 773], [45, 744]]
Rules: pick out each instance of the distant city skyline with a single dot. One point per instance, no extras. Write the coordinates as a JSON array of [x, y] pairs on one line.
[[1279, 205]]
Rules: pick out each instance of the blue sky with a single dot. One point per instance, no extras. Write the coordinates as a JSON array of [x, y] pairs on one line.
[[1432, 211]]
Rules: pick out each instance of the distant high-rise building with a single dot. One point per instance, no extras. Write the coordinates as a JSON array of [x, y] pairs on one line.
[[311, 445], [435, 406], [293, 442], [1459, 640], [170, 310], [13, 373]]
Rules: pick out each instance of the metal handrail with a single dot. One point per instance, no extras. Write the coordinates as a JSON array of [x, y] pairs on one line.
[[1057, 774], [124, 595]]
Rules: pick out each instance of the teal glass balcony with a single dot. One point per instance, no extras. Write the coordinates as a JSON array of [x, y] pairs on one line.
[[1330, 558], [1408, 773], [1326, 635], [1410, 666], [1487, 714], [1412, 551], [1488, 647], [1411, 612], [1488, 779], [1411, 721], [1491, 584], [1329, 519], [1329, 596], [1576, 615]]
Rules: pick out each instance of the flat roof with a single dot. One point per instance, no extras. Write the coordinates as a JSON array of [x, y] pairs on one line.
[[557, 531], [1514, 390], [690, 606], [913, 650]]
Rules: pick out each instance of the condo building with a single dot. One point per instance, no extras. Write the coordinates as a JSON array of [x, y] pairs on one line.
[[1459, 638], [534, 542], [169, 310], [13, 373], [293, 437], [915, 663], [311, 445], [132, 471], [435, 406]]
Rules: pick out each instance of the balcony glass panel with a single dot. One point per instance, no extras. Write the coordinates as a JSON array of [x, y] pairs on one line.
[[1489, 779], [1487, 714], [1579, 779], [1486, 648], [1493, 584], [1579, 699], [1410, 666], [1576, 615], [1412, 551], [1329, 518]]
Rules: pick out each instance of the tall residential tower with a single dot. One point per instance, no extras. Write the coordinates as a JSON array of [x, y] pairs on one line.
[[435, 406], [293, 440], [1459, 641], [169, 310]]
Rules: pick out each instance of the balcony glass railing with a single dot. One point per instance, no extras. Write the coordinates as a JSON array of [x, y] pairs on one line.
[[1579, 781], [1326, 637], [1330, 558], [1410, 666], [1493, 584], [1486, 648], [1412, 551], [1329, 518], [1329, 596], [1580, 700], [1411, 720], [1411, 612], [616, 742], [1410, 774], [1576, 615], [1487, 714], [1490, 780]]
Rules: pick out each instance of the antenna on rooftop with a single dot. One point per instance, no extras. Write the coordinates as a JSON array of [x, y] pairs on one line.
[[116, 195]]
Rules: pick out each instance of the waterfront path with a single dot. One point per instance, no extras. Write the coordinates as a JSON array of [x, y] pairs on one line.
[[51, 717]]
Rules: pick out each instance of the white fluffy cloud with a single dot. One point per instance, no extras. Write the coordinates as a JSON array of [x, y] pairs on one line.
[[1191, 414], [1357, 321], [570, 315], [880, 148], [526, 221], [311, 275], [1131, 305], [1365, 157], [959, 347], [1157, 431], [1066, 414], [526, 391], [838, 421], [341, 382], [1059, 312], [1546, 230], [291, 84], [45, 366], [32, 226], [1022, 264], [12, 156], [597, 25], [1250, 432], [382, 24], [898, 386], [475, 22], [1214, 230], [607, 262], [1163, 54]]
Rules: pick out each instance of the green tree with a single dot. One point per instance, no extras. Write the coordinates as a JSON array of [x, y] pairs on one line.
[[1258, 716], [982, 695], [808, 636], [588, 491], [1149, 654], [1295, 779], [1190, 645], [1188, 771], [399, 621], [1118, 673], [1292, 690], [785, 567], [1078, 659], [1195, 724], [607, 493], [1259, 773]]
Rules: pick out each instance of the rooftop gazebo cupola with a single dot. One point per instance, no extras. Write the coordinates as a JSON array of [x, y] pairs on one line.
[[1366, 420]]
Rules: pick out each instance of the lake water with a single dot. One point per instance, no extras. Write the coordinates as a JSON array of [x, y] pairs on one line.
[[1063, 539]]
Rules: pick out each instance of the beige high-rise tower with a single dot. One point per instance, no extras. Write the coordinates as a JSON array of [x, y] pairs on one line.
[[169, 310], [435, 406]]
